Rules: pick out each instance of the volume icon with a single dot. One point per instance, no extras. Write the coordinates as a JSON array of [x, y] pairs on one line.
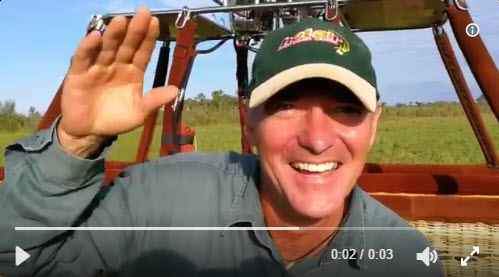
[[426, 256]]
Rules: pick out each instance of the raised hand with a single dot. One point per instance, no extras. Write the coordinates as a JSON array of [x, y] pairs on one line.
[[102, 93]]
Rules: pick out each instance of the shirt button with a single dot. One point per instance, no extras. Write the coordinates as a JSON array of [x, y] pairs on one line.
[[99, 273]]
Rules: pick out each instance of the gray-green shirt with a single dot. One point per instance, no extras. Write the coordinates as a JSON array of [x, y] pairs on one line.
[[45, 187]]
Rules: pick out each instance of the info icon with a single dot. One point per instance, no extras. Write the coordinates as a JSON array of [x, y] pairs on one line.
[[472, 30]]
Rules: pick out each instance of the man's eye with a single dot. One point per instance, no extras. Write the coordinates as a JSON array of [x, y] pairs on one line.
[[285, 110], [350, 110], [284, 106]]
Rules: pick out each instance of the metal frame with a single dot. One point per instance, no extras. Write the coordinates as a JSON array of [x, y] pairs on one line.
[[314, 4], [448, 57]]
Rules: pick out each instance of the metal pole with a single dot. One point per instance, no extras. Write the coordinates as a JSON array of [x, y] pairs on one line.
[[183, 58], [463, 92], [481, 63], [53, 111], [150, 122], [242, 84]]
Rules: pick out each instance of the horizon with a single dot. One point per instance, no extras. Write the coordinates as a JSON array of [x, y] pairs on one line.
[[384, 104]]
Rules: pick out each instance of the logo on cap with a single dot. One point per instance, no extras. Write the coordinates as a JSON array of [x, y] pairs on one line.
[[341, 45]]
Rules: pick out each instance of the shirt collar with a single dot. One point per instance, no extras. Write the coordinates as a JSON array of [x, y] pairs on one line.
[[353, 239], [246, 206]]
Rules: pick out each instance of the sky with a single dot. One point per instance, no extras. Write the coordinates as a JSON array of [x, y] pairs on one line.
[[38, 38]]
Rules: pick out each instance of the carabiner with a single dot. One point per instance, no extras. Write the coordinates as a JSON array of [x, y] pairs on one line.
[[331, 4], [96, 24], [461, 5], [183, 16]]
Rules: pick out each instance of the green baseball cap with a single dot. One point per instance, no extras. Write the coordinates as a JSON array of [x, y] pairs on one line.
[[313, 48]]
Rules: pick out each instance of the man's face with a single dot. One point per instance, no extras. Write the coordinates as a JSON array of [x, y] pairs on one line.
[[312, 138]]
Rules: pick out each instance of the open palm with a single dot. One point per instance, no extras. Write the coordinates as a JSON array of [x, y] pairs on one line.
[[103, 91]]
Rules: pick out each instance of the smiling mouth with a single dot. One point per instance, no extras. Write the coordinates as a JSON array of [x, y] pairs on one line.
[[311, 168]]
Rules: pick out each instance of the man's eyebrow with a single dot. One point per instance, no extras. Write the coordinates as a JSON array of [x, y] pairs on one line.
[[337, 94], [287, 95], [331, 90], [346, 97]]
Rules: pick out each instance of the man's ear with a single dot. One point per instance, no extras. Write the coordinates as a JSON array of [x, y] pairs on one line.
[[249, 117], [377, 115]]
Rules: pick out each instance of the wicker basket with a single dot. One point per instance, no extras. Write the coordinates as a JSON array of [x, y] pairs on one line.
[[454, 241]]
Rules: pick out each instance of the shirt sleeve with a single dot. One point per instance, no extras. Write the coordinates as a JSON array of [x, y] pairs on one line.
[[46, 187]]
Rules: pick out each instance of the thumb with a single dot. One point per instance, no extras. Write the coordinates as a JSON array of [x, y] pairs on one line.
[[158, 97]]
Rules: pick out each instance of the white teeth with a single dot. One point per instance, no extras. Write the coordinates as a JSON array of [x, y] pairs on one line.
[[315, 167]]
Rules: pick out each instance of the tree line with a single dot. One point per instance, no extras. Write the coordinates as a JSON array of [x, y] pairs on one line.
[[11, 120], [222, 108]]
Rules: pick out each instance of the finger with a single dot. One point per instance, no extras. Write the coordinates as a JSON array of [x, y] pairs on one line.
[[136, 32], [143, 54], [158, 97], [113, 37], [86, 53]]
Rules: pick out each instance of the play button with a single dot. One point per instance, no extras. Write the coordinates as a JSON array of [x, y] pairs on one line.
[[21, 256]]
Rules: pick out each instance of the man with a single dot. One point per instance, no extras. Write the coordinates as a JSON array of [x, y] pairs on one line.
[[312, 116]]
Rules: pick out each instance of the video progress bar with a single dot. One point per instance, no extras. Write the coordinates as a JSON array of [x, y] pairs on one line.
[[219, 228]]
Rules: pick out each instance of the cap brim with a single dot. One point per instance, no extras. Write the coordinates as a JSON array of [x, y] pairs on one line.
[[360, 87]]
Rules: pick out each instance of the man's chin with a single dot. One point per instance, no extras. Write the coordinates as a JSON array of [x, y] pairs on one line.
[[313, 211]]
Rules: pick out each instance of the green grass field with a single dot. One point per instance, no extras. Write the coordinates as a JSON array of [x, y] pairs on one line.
[[445, 140]]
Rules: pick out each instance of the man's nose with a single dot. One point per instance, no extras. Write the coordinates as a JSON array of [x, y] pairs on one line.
[[317, 134]]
